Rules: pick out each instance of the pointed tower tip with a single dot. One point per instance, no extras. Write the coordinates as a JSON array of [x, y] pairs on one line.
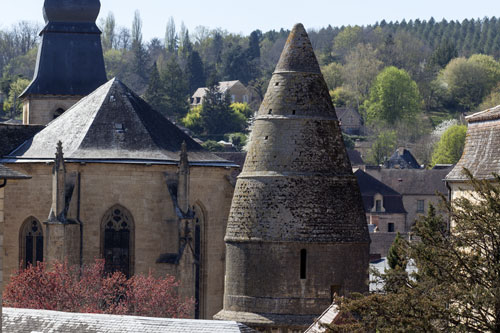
[[298, 54]]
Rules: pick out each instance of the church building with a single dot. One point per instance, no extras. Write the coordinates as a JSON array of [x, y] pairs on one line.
[[110, 177]]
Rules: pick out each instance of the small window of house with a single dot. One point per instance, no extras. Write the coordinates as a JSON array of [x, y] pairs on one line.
[[198, 100], [420, 206], [245, 99], [233, 98], [378, 205], [390, 227]]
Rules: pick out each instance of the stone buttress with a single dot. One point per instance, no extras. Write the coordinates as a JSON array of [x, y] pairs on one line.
[[297, 231]]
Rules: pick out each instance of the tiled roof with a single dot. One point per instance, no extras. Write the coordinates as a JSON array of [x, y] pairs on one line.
[[481, 155], [416, 181], [113, 123], [29, 320], [369, 186]]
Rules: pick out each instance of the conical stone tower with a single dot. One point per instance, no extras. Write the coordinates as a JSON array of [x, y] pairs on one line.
[[297, 230]]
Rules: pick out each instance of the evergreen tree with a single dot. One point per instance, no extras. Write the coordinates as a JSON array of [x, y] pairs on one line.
[[171, 39], [254, 44], [456, 284], [444, 53], [155, 93], [396, 257], [217, 116], [195, 72], [176, 99]]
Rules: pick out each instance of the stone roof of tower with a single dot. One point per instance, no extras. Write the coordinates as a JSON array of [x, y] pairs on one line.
[[113, 124], [481, 155], [70, 59], [297, 183]]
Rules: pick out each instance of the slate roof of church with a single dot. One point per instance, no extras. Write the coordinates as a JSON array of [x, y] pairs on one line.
[[13, 135], [113, 124], [481, 155], [30, 320]]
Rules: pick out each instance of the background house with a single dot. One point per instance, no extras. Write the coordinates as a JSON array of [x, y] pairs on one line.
[[237, 90], [350, 120]]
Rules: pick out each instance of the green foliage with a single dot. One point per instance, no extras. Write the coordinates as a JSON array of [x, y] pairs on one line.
[[468, 81], [394, 97], [333, 75], [195, 72], [396, 257], [456, 285], [382, 147], [12, 105], [444, 53], [193, 120], [243, 109], [212, 145], [176, 98], [239, 140], [217, 116], [450, 146], [347, 39], [155, 92], [348, 141], [342, 96], [492, 100]]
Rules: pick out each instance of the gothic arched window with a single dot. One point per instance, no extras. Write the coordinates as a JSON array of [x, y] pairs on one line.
[[117, 240], [31, 242]]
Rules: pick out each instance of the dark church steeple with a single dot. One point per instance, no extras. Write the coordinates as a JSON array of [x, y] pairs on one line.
[[70, 62]]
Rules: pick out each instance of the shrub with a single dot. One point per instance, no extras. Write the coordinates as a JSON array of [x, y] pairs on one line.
[[91, 290]]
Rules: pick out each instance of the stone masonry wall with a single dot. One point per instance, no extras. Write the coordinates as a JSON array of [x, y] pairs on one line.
[[141, 190]]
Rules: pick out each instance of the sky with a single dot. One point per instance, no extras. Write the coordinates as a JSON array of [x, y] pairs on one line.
[[243, 17]]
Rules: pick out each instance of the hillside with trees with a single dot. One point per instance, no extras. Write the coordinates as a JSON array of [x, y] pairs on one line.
[[442, 70]]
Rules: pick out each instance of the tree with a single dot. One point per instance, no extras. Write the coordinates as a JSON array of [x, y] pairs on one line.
[[444, 53], [13, 105], [91, 290], [333, 75], [468, 81], [396, 257], [450, 146], [394, 97], [383, 146], [492, 100], [176, 99], [155, 93], [195, 72], [254, 44], [361, 68], [171, 39], [137, 28], [456, 286], [193, 120], [217, 116], [347, 39], [108, 32]]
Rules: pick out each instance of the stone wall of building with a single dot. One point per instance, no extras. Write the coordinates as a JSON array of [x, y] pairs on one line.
[[142, 190], [40, 110]]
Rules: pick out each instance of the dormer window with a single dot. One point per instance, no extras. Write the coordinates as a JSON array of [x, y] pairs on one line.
[[378, 203], [119, 128]]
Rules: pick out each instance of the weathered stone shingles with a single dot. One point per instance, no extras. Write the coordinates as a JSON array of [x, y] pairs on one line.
[[29, 320], [297, 183], [113, 123], [12, 136], [482, 147]]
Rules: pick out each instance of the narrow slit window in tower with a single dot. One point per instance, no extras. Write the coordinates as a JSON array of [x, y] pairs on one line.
[[303, 263], [270, 111]]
